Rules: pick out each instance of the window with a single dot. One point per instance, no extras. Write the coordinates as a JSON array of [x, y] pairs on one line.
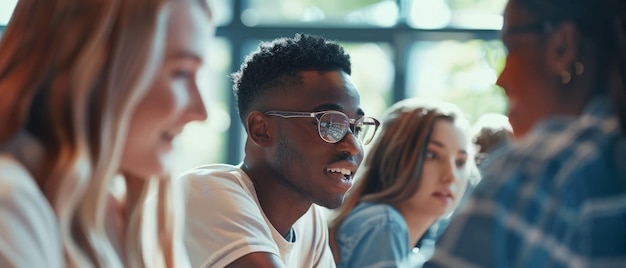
[[461, 72], [381, 13], [372, 73], [463, 14], [6, 9], [443, 49]]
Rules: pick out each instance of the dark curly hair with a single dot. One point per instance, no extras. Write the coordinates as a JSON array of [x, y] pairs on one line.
[[277, 64]]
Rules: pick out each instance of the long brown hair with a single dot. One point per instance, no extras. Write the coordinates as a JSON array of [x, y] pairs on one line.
[[392, 170]]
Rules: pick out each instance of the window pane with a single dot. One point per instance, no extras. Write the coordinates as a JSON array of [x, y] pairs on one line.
[[321, 12], [6, 9], [460, 72], [205, 142], [470, 14], [222, 11], [372, 73]]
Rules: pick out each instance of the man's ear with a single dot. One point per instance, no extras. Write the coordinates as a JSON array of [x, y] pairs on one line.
[[259, 129], [563, 48]]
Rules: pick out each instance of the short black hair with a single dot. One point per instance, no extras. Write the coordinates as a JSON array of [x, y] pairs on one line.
[[276, 65]]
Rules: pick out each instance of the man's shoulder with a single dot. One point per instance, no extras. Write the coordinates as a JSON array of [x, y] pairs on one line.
[[217, 183], [215, 174], [212, 170]]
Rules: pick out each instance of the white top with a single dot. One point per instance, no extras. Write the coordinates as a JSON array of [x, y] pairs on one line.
[[29, 231], [224, 222]]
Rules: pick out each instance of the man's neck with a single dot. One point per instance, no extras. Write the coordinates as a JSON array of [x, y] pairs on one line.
[[281, 204]]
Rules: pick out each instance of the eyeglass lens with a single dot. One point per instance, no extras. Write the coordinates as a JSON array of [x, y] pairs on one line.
[[334, 126]]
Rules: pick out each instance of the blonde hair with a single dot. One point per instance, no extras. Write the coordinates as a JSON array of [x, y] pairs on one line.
[[72, 78], [392, 170]]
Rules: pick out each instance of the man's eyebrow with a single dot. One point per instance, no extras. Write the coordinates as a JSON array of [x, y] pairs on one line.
[[441, 145], [335, 107]]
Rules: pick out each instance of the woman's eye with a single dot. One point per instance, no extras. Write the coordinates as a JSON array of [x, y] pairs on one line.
[[461, 163], [431, 155], [182, 74]]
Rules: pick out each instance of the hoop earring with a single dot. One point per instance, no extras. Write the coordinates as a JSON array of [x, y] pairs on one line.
[[566, 77], [579, 68]]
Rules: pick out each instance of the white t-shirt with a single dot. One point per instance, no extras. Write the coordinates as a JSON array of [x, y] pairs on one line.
[[29, 231], [224, 222]]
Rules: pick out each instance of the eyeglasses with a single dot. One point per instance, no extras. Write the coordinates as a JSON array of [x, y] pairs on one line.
[[538, 27], [332, 126], [532, 28]]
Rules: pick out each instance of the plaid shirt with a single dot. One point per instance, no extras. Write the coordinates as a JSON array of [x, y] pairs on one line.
[[556, 199]]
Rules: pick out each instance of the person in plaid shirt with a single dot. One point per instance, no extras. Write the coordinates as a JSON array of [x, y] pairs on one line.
[[557, 198]]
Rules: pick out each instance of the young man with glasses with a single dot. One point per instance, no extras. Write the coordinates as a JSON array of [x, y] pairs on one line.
[[305, 132]]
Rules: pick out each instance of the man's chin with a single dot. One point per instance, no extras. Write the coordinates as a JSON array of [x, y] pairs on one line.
[[331, 203]]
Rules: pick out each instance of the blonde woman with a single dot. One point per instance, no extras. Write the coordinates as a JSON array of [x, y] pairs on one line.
[[416, 172], [93, 91]]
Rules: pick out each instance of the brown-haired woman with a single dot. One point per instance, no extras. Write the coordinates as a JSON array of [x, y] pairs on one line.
[[416, 172]]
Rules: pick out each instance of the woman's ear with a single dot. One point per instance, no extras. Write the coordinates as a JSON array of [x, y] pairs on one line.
[[259, 129], [563, 47]]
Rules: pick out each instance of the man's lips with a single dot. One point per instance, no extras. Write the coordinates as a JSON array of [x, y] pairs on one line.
[[345, 168], [343, 173]]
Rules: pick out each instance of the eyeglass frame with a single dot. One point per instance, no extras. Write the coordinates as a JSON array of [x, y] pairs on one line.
[[536, 27], [351, 122], [540, 27]]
